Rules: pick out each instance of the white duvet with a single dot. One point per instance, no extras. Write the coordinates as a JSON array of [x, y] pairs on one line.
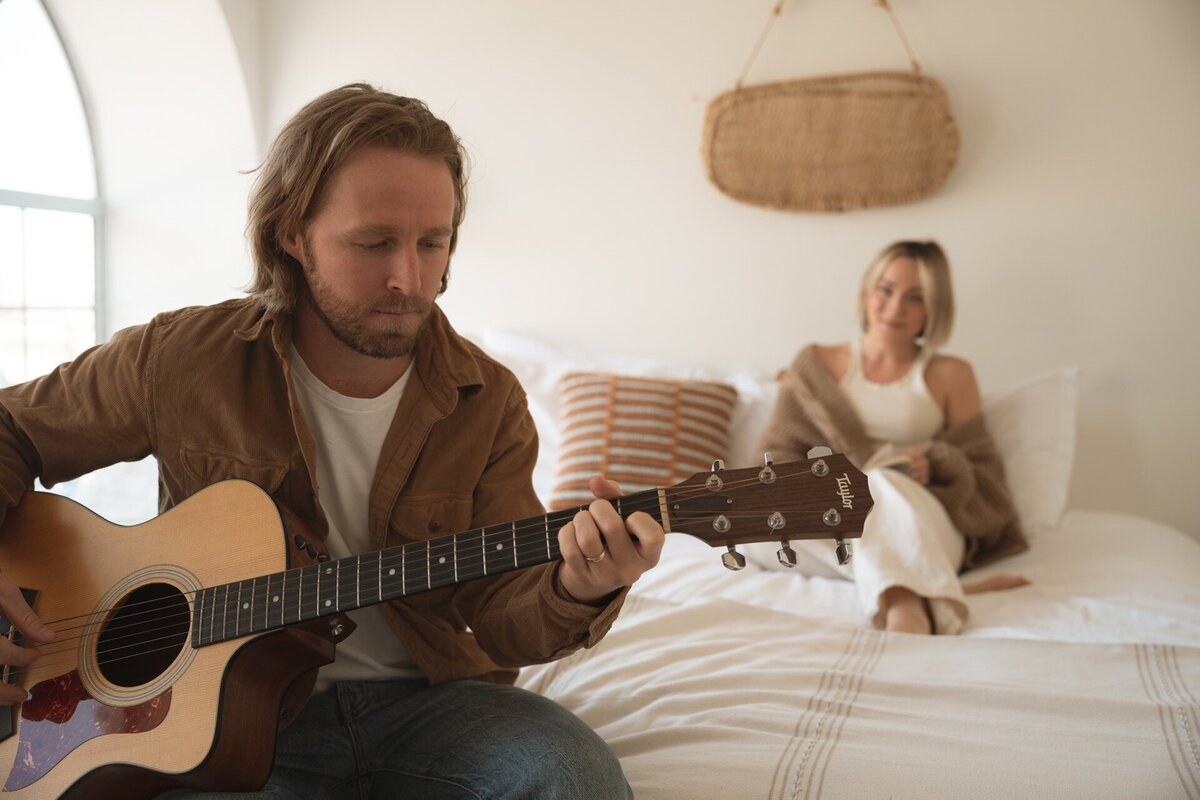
[[765, 684]]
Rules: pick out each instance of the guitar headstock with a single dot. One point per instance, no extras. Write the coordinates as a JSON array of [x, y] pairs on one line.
[[825, 497]]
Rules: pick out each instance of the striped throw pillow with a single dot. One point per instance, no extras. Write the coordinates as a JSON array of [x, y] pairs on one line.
[[640, 432]]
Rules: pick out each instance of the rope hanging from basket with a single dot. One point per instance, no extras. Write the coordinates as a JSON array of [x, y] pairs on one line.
[[778, 10]]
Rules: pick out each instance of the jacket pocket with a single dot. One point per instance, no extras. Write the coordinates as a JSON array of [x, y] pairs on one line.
[[205, 466], [429, 516]]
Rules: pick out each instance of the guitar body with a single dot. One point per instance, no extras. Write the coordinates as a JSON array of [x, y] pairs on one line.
[[122, 704]]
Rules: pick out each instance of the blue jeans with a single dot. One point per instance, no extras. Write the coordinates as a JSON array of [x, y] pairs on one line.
[[463, 739]]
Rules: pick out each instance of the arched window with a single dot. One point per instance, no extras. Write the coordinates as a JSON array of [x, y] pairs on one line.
[[50, 207]]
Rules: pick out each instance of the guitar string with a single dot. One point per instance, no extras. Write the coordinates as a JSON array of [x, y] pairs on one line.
[[434, 575], [534, 525], [182, 623], [424, 577], [180, 639], [646, 502]]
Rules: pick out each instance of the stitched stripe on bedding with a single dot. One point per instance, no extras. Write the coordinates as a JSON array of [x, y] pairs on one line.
[[1164, 683], [818, 731]]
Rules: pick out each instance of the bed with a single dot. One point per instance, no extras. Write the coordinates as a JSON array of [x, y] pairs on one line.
[[765, 683]]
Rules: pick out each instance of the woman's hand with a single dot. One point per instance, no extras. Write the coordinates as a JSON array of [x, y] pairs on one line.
[[919, 466], [603, 553], [14, 608]]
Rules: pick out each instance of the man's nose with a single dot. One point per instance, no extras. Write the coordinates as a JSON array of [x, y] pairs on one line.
[[404, 271]]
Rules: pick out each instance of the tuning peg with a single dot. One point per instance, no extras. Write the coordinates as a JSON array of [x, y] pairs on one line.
[[714, 482], [766, 474], [787, 556], [733, 559], [844, 553], [819, 452]]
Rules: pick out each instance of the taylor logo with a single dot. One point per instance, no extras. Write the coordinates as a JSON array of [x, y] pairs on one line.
[[844, 491]]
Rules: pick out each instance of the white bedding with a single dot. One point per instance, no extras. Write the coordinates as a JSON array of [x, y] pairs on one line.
[[765, 684]]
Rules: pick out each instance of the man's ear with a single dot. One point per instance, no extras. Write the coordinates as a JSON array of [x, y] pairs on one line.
[[293, 244]]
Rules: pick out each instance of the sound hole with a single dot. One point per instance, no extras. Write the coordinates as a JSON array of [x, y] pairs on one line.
[[144, 636]]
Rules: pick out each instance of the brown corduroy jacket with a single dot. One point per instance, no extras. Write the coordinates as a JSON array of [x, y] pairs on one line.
[[206, 390], [966, 473]]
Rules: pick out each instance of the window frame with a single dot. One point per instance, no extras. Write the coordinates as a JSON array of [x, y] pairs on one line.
[[92, 206]]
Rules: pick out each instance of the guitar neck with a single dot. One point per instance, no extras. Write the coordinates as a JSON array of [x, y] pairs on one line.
[[274, 601]]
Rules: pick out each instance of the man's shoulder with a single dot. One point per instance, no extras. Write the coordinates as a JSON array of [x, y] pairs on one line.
[[192, 330], [230, 313]]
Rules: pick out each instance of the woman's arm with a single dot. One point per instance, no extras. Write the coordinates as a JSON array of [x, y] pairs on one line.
[[951, 381]]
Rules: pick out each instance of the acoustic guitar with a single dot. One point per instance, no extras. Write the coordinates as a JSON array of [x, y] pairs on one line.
[[177, 638]]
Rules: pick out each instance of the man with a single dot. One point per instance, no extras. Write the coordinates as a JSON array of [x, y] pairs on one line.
[[339, 386]]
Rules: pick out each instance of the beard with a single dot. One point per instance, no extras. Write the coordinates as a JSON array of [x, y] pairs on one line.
[[359, 327]]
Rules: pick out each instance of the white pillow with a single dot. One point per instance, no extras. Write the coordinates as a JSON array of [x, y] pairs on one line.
[[1034, 429]]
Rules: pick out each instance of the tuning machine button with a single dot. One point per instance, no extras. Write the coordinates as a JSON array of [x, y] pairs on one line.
[[714, 482], [786, 555], [767, 474], [733, 559], [844, 553]]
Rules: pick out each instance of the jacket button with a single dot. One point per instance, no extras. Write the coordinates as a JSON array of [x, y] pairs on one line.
[[434, 526]]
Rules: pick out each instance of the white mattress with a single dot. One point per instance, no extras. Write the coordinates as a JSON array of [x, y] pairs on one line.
[[765, 684]]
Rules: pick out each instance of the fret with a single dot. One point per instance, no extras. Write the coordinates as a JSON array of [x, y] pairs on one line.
[[546, 527], [256, 604], [287, 587], [379, 577], [428, 559], [212, 615], [514, 534], [358, 582], [201, 598], [324, 603], [274, 598], [454, 555], [299, 594], [483, 549], [337, 587], [237, 612], [224, 609], [404, 571]]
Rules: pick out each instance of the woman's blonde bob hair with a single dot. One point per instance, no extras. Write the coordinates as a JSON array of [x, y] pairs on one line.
[[934, 271], [309, 148]]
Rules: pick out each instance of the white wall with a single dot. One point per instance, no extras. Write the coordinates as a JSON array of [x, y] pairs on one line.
[[1070, 218], [173, 130]]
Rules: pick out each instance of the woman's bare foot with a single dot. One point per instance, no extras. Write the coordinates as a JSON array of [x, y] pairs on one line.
[[905, 611], [996, 583]]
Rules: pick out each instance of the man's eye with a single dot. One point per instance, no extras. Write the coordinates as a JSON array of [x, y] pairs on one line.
[[433, 244], [373, 245]]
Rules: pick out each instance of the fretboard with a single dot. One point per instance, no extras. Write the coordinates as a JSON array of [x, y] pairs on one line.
[[269, 602]]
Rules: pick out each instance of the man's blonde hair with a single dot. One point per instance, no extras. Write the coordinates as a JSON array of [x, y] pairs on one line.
[[934, 271], [309, 148]]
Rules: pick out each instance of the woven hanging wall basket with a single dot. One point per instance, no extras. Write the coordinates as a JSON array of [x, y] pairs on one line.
[[832, 143]]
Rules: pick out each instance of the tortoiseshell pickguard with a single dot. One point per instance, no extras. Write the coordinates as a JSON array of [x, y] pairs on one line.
[[61, 715]]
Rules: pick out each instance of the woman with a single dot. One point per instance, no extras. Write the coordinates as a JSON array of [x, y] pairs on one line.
[[891, 398]]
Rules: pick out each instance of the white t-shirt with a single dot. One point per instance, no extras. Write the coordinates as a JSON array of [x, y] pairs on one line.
[[349, 433]]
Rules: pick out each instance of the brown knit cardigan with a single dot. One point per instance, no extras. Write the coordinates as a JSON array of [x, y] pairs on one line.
[[966, 473]]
